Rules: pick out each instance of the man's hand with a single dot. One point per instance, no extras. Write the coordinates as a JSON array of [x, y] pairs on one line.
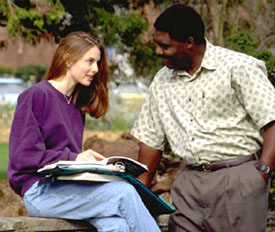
[[268, 154], [89, 155], [150, 157], [145, 179], [264, 175]]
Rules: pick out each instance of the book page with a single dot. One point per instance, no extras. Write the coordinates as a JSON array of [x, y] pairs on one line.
[[88, 176]]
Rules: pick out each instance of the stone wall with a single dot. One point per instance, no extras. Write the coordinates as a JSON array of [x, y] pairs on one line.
[[18, 53]]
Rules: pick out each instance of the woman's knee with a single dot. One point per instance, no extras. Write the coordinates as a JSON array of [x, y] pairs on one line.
[[127, 191]]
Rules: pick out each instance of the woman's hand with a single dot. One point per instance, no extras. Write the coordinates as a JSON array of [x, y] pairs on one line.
[[89, 155]]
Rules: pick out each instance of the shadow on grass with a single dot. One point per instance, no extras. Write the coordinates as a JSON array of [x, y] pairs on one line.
[[4, 160], [3, 175]]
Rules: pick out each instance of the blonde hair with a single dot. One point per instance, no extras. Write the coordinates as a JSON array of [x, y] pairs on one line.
[[93, 99]]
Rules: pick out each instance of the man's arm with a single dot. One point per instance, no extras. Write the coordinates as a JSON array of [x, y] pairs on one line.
[[268, 154], [150, 157]]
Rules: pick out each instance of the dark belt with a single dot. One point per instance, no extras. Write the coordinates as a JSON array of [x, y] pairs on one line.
[[209, 167]]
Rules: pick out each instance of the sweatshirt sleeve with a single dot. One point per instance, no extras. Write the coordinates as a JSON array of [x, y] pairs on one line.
[[27, 146]]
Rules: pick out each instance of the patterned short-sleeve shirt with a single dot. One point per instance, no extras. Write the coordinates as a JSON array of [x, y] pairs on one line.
[[213, 115]]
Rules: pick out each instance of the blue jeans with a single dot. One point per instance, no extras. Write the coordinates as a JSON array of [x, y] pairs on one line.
[[113, 206]]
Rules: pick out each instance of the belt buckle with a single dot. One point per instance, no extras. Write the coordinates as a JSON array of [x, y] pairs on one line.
[[204, 167]]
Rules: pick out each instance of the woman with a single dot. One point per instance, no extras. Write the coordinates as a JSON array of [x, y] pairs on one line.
[[48, 126]]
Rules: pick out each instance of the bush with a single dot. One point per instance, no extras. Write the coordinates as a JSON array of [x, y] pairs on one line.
[[266, 56], [32, 73], [6, 114], [242, 41], [5, 70], [272, 192]]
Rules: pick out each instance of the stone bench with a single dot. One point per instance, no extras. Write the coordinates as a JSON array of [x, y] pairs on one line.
[[35, 224]]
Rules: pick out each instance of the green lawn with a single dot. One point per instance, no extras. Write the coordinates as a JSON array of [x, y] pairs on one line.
[[4, 159]]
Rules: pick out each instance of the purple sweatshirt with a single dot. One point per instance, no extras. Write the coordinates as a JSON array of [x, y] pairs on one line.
[[45, 129]]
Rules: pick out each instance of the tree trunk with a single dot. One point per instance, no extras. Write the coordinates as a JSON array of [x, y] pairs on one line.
[[255, 14], [217, 14]]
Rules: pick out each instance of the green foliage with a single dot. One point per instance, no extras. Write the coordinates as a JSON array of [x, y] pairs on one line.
[[4, 10], [6, 114], [147, 63], [32, 73], [30, 20], [110, 20], [5, 70], [242, 41], [266, 56], [272, 192], [120, 30], [4, 159]]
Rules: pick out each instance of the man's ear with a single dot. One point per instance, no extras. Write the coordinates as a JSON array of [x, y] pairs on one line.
[[190, 42]]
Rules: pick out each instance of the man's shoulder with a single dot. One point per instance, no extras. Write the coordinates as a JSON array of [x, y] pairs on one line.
[[164, 74], [234, 58]]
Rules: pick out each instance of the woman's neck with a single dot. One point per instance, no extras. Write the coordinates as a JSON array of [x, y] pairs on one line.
[[63, 85]]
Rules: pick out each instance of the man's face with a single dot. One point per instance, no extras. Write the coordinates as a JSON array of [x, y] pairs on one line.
[[174, 53]]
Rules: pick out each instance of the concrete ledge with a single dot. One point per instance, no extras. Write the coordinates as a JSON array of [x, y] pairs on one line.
[[34, 224]]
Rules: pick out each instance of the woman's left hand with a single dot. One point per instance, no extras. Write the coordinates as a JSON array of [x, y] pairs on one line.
[[89, 155]]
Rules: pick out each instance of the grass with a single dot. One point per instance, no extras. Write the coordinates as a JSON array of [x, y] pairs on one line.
[[102, 124], [4, 159]]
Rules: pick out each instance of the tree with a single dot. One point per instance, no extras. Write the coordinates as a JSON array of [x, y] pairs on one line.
[[126, 24], [32, 20], [111, 20]]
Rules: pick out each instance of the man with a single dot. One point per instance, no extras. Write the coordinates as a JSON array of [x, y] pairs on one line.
[[216, 109]]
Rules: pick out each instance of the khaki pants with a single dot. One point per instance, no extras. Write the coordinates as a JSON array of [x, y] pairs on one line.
[[231, 199]]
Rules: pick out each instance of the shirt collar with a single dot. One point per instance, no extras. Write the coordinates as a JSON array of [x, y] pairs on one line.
[[209, 59], [208, 62]]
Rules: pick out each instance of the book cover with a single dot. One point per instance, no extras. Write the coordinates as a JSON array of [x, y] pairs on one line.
[[105, 173], [113, 163]]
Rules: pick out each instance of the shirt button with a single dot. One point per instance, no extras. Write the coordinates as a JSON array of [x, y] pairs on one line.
[[191, 120], [192, 139], [189, 99]]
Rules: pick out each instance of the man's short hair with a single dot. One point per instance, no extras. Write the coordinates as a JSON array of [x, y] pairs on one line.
[[181, 21]]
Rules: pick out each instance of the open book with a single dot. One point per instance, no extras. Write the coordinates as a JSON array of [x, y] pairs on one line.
[[114, 169], [113, 163], [90, 176]]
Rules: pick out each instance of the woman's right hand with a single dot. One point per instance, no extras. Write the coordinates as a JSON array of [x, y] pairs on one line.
[[89, 155]]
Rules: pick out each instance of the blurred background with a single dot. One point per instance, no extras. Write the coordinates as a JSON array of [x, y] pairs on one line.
[[31, 29]]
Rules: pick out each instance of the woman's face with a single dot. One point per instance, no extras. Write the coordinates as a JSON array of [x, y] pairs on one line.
[[86, 67]]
